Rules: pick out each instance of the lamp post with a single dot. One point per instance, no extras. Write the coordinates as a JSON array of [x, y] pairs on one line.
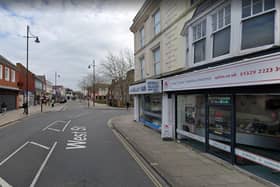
[[28, 35], [55, 81], [93, 81]]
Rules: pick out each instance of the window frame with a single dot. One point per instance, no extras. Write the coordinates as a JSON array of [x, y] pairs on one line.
[[13, 75], [196, 40], [142, 67], [7, 74], [154, 60], [235, 32], [155, 24], [216, 11], [276, 29], [142, 37], [1, 71]]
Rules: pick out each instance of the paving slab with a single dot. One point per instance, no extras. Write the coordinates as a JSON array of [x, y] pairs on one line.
[[180, 164]]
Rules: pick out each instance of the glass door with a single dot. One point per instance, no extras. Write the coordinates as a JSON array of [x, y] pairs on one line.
[[219, 125]]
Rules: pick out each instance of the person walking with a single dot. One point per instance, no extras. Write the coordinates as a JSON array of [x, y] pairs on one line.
[[127, 105]]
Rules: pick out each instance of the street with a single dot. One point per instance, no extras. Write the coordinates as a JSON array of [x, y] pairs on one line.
[[74, 147]]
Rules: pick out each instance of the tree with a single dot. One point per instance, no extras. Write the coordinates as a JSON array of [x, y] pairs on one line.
[[116, 67]]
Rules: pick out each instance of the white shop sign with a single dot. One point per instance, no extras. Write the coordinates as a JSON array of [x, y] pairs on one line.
[[264, 70], [149, 87]]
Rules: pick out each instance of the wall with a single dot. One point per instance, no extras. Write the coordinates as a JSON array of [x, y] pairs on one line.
[[173, 15]]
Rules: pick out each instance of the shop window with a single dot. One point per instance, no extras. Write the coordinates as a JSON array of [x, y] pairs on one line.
[[258, 135], [258, 20], [221, 31], [151, 109], [191, 118], [199, 41]]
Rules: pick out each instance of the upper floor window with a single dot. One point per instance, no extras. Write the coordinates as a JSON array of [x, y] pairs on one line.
[[142, 37], [7, 74], [13, 76], [199, 41], [221, 20], [142, 67], [1, 71], [156, 53], [258, 22], [157, 22]]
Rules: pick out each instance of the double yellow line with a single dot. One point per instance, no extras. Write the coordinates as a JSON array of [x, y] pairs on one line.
[[136, 158]]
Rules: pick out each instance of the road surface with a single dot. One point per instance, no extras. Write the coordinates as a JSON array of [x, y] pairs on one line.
[[72, 148]]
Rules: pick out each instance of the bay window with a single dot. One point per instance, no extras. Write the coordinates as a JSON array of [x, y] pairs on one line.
[[221, 31], [199, 41], [1, 71], [232, 28], [258, 22], [13, 76]]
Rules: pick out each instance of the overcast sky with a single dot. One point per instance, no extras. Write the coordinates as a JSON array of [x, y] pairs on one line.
[[72, 34]]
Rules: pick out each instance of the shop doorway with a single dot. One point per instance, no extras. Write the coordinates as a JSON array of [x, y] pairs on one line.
[[220, 130]]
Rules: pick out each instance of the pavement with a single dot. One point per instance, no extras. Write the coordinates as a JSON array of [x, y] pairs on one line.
[[72, 147], [15, 115], [178, 163]]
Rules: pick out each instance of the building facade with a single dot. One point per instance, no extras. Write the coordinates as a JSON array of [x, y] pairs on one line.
[[22, 84], [159, 51], [118, 92], [9, 90], [40, 88], [225, 101]]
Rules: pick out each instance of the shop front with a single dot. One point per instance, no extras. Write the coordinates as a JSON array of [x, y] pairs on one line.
[[148, 103], [232, 112]]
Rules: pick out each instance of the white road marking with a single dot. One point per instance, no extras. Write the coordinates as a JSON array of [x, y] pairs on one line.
[[51, 124], [66, 125], [42, 166], [40, 145], [3, 183], [10, 156], [52, 129]]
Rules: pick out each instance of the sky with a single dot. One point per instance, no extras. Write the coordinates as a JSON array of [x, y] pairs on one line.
[[72, 33]]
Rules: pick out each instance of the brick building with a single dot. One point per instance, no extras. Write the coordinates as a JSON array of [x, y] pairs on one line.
[[8, 84], [23, 87]]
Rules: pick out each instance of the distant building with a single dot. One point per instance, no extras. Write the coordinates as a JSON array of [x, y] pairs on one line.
[[40, 88], [101, 92], [22, 71], [118, 94], [69, 93], [8, 84]]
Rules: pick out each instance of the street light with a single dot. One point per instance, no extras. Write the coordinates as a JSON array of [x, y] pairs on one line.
[[55, 80], [93, 81], [28, 35]]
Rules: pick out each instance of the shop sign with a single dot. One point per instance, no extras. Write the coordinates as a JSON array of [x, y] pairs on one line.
[[149, 87], [137, 89], [221, 100], [258, 159], [258, 71], [153, 86]]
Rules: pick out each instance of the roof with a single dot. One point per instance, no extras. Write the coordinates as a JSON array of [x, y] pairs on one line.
[[143, 14], [6, 62]]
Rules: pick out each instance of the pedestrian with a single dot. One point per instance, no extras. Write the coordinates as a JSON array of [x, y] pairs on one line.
[[127, 105], [3, 107]]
